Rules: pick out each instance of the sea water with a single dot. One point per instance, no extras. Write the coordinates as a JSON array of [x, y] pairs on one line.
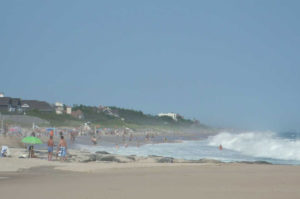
[[276, 148]]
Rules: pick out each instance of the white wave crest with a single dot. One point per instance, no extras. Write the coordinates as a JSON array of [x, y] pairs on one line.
[[258, 144]]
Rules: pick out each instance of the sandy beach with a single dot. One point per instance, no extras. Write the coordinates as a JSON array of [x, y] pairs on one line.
[[132, 181], [100, 175]]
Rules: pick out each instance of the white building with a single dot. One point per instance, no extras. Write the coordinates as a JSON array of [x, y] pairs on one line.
[[1, 94], [69, 110], [59, 108], [25, 107], [172, 115]]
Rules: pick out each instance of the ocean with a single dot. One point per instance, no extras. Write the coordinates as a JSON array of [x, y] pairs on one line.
[[271, 147]]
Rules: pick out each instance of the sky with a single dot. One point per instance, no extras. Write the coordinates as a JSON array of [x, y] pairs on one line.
[[226, 63]]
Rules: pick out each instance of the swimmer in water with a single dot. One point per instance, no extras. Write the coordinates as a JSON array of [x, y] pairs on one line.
[[220, 147], [165, 139]]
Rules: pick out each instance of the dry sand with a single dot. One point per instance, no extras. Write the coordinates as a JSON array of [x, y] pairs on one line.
[[149, 180], [11, 141]]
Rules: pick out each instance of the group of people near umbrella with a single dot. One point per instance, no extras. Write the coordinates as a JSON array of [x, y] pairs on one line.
[[61, 148]]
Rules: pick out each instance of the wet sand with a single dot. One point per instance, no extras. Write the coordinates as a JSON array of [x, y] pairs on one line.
[[228, 181]]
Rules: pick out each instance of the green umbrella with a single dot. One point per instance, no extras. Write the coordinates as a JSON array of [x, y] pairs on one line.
[[31, 140]]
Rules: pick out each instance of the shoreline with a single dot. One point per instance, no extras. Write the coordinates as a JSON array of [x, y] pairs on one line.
[[81, 160]]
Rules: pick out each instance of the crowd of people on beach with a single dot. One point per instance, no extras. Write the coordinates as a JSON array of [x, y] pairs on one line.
[[119, 137], [62, 145]]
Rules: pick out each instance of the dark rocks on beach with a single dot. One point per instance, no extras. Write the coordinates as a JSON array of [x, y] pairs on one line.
[[90, 158], [131, 157], [255, 162], [109, 159], [205, 161], [106, 157], [165, 160], [102, 152], [154, 156]]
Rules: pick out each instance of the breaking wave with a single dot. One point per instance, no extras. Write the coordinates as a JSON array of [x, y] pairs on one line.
[[259, 144]]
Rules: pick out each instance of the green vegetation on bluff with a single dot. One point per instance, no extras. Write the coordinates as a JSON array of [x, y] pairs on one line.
[[115, 117], [54, 119], [138, 117]]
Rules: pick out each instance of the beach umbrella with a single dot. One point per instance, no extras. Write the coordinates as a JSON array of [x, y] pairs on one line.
[[31, 140]]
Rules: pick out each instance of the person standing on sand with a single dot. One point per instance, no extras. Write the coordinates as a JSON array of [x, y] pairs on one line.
[[31, 148], [72, 137], [62, 146], [50, 148]]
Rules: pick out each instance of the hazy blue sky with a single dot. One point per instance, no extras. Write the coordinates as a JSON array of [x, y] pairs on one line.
[[226, 63]]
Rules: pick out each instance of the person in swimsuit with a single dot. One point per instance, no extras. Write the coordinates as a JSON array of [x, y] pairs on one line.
[[94, 140], [50, 148], [220, 147], [31, 152], [62, 148]]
